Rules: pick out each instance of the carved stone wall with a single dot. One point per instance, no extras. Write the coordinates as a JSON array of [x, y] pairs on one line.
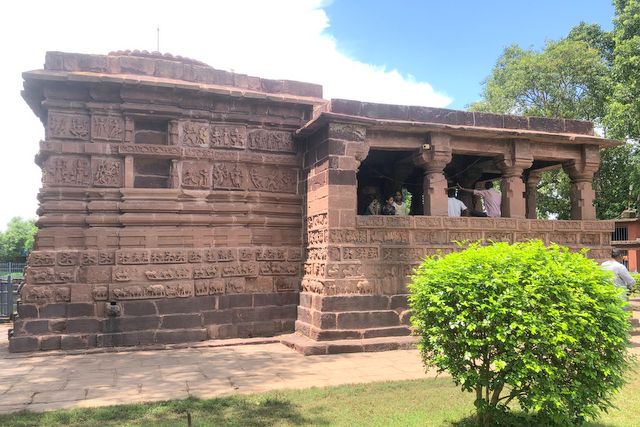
[[355, 287], [166, 215]]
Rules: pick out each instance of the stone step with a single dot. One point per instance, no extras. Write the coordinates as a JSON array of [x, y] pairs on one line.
[[309, 347]]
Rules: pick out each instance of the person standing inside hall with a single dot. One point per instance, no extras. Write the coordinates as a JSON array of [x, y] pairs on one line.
[[490, 197], [455, 207], [399, 204]]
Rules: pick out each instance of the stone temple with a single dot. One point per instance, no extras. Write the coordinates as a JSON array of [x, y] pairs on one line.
[[181, 203]]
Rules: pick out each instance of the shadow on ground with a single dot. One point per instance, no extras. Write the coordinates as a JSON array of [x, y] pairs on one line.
[[229, 411]]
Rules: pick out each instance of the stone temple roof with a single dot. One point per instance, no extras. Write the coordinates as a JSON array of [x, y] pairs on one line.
[[171, 71]]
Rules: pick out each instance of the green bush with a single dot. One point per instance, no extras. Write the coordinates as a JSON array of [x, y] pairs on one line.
[[523, 323]]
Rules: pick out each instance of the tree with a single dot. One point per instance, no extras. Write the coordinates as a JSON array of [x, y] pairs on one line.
[[566, 79], [571, 78], [17, 240], [624, 109], [538, 325]]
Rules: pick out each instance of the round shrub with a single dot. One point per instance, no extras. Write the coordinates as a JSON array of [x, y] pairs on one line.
[[525, 323]]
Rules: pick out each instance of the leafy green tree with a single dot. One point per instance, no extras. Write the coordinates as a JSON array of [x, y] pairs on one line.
[[541, 326], [624, 109], [553, 195], [565, 79], [17, 240]]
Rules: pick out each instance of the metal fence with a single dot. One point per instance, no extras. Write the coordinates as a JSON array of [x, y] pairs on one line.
[[10, 279]]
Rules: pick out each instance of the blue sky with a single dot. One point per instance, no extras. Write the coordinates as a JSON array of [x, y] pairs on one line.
[[453, 45]]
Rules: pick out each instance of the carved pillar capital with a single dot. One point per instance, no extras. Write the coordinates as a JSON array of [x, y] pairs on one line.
[[532, 178], [513, 163], [438, 154]]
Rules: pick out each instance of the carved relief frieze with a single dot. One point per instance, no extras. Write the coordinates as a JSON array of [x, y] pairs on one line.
[[106, 172], [150, 149], [315, 269], [194, 255], [157, 290], [398, 221], [360, 252], [567, 225], [46, 275], [169, 273], [244, 269], [430, 236], [67, 258], [317, 221], [497, 236], [209, 287], [265, 140], [286, 284], [194, 134], [230, 176], [106, 258], [455, 223], [317, 254], [591, 239], [225, 136], [372, 221], [317, 237], [68, 126], [168, 256], [88, 258], [42, 259], [235, 285], [463, 236], [427, 222], [272, 254], [196, 175], [403, 254], [220, 255], [107, 128], [208, 271], [389, 236], [275, 268], [121, 274], [347, 236], [564, 238], [246, 254], [344, 271], [132, 256], [44, 294], [66, 171], [598, 225], [272, 179]]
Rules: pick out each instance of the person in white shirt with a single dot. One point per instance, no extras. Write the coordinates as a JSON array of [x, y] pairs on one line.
[[456, 207], [621, 278], [399, 205]]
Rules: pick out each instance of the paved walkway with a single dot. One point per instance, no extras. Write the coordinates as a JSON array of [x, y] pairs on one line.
[[44, 381], [40, 383]]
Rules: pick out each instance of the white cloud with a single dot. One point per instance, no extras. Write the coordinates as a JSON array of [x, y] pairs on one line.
[[287, 39]]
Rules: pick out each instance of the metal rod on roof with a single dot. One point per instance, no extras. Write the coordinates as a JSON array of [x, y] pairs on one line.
[[158, 39]]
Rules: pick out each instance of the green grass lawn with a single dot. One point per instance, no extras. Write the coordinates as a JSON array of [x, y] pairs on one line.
[[428, 402]]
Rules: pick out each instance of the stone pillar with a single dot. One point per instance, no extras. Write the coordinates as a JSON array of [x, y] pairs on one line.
[[513, 166], [433, 161], [531, 193], [581, 172]]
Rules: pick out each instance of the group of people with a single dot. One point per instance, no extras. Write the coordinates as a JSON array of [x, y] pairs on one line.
[[393, 205], [490, 197]]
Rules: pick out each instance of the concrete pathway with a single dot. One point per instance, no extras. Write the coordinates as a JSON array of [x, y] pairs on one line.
[[47, 382], [41, 381]]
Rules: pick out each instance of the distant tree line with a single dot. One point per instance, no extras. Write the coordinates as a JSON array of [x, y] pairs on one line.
[[17, 240]]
